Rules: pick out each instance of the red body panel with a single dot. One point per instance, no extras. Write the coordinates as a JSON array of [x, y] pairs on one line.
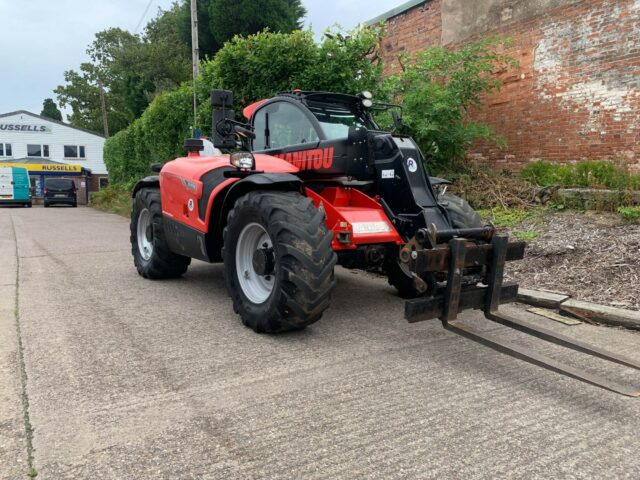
[[350, 213], [181, 186], [249, 109], [360, 217]]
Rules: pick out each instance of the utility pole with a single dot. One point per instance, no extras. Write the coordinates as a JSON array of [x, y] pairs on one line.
[[105, 122], [195, 52]]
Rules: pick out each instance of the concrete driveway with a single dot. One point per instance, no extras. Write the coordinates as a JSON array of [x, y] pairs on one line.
[[126, 378]]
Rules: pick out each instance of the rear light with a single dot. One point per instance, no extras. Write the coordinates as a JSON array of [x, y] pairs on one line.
[[45, 191]]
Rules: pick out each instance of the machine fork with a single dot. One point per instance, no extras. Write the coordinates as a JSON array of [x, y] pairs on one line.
[[492, 299]]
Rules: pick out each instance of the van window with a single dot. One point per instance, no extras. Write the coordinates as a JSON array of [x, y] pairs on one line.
[[59, 183]]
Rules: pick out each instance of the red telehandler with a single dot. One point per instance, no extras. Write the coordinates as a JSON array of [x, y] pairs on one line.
[[318, 182]]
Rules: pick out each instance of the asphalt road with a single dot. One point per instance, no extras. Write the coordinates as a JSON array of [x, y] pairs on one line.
[[125, 378]]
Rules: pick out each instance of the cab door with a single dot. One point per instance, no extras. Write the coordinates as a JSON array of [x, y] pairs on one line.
[[6, 183], [283, 129]]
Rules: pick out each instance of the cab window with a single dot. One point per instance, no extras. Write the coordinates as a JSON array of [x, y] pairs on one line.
[[280, 125]]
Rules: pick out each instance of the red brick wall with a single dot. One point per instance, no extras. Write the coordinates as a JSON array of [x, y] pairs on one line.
[[414, 30], [576, 93]]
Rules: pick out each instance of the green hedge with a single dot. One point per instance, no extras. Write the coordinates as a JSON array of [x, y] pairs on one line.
[[258, 66]]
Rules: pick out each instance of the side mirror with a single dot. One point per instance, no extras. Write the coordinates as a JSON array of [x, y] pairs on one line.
[[244, 132], [397, 120], [222, 128]]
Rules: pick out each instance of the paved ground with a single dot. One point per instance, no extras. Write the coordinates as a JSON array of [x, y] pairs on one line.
[[129, 379]]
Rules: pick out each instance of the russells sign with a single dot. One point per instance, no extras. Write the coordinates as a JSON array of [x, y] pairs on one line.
[[46, 167], [24, 128]]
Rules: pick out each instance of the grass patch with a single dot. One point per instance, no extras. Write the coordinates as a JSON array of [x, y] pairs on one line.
[[527, 236], [588, 174], [509, 217], [520, 222], [630, 214], [112, 199]]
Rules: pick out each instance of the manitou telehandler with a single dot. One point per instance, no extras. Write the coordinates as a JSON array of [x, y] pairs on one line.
[[318, 182]]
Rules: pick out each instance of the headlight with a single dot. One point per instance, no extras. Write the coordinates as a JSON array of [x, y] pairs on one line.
[[367, 103], [243, 160]]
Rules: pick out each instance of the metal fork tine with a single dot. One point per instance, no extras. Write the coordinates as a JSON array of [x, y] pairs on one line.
[[537, 358], [559, 339]]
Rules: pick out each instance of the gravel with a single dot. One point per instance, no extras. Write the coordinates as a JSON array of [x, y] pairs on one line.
[[590, 256]]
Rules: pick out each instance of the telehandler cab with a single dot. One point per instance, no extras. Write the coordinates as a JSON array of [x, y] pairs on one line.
[[316, 183]]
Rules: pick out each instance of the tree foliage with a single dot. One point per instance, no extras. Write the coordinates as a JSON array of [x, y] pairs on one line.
[[438, 89], [133, 69], [254, 67], [228, 18], [50, 110]]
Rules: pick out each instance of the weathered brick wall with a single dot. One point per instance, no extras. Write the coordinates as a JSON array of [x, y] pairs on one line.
[[576, 93], [414, 30]]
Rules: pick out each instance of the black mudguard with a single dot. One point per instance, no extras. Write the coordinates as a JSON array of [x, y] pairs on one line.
[[152, 181]]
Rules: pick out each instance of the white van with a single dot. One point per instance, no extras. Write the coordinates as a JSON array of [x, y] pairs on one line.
[[14, 186]]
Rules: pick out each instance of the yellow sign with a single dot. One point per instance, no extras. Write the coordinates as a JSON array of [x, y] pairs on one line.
[[45, 167]]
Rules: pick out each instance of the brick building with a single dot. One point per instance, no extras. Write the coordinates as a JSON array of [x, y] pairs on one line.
[[576, 93]]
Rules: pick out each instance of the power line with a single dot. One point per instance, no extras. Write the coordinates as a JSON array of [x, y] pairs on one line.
[[143, 16]]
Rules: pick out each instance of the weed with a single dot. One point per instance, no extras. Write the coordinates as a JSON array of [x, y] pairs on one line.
[[630, 214], [113, 199], [527, 236], [592, 173], [509, 217]]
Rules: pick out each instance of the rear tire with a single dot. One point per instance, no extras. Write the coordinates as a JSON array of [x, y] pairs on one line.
[[151, 254], [462, 215], [292, 286]]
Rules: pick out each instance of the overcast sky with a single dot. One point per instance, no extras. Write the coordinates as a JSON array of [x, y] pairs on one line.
[[40, 39]]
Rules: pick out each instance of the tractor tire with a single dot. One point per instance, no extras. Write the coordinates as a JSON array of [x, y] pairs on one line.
[[278, 261], [151, 254], [460, 212]]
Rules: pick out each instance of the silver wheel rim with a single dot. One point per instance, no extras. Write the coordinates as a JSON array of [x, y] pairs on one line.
[[145, 234], [257, 288]]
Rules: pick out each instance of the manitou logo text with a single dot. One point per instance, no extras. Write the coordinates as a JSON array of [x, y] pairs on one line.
[[315, 159]]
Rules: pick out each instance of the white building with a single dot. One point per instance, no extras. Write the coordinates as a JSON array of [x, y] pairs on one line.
[[51, 148]]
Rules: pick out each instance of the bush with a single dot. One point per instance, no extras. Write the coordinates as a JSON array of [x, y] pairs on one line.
[[546, 173], [439, 88], [591, 173], [114, 199], [630, 214], [254, 67]]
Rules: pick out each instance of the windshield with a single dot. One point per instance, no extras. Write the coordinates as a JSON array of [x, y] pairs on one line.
[[336, 118], [59, 183]]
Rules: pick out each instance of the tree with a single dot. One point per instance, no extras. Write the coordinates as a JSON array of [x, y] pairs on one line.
[[254, 67], [134, 69], [50, 110], [245, 17]]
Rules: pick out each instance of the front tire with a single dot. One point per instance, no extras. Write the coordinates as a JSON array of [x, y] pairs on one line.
[[278, 261], [151, 254]]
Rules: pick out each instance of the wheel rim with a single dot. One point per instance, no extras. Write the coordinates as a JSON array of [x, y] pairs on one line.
[[257, 288], [145, 234]]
